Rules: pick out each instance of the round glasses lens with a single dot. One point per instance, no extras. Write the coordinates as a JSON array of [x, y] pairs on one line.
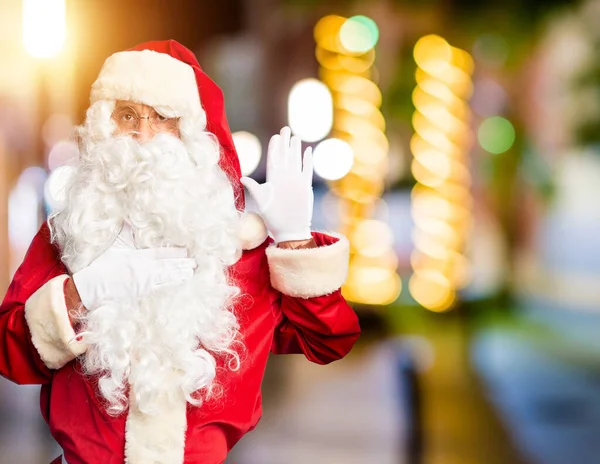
[[126, 119], [160, 123]]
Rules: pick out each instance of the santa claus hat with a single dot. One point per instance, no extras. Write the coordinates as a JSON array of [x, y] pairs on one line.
[[167, 74]]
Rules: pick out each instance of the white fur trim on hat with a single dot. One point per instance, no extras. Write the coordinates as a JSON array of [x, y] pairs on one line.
[[309, 272], [48, 320], [151, 78]]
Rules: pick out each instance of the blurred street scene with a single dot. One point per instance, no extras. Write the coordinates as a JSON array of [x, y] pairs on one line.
[[456, 144]]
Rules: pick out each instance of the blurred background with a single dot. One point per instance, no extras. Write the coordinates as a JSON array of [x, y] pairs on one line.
[[456, 145]]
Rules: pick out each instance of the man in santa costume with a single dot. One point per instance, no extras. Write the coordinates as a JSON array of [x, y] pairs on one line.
[[148, 304]]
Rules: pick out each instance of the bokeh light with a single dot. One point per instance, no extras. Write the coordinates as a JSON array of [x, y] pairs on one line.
[[441, 200], [249, 151], [359, 34], [310, 110], [496, 135], [332, 159], [356, 158], [44, 25]]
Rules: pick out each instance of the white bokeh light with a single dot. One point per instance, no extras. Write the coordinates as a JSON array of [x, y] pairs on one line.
[[44, 27], [249, 151], [332, 159], [310, 110]]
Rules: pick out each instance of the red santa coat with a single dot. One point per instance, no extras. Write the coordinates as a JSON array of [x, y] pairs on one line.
[[292, 304]]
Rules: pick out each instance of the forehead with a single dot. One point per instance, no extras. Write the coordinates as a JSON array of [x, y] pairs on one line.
[[139, 107]]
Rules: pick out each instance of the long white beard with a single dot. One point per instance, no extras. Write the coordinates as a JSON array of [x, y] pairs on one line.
[[167, 342]]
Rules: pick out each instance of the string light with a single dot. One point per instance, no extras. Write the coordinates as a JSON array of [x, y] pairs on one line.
[[346, 54], [441, 200]]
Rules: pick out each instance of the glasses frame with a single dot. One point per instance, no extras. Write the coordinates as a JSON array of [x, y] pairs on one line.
[[171, 126]]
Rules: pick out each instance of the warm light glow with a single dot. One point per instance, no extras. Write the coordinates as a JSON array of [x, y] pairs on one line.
[[349, 84], [372, 285], [310, 110], [440, 146], [44, 25], [359, 34], [431, 49], [332, 159], [249, 151], [328, 26], [357, 159], [357, 64], [432, 290], [372, 238]]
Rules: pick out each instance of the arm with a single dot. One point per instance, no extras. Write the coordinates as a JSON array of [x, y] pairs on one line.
[[34, 320], [314, 318]]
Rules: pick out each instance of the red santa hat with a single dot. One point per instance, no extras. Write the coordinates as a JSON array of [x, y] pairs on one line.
[[167, 74]]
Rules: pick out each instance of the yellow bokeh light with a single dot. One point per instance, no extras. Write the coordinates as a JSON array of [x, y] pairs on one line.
[[328, 26], [328, 59], [361, 108], [372, 285], [441, 199], [387, 260], [432, 290], [441, 120], [367, 152], [432, 48], [346, 57], [351, 84], [357, 64], [454, 266], [372, 238], [462, 60], [419, 145], [427, 177]]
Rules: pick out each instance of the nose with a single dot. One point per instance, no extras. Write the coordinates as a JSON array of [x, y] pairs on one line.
[[144, 133]]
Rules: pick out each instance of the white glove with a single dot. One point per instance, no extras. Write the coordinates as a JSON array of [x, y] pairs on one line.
[[285, 200], [123, 273]]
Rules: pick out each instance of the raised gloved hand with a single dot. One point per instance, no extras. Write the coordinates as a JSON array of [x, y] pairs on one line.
[[124, 273], [285, 200]]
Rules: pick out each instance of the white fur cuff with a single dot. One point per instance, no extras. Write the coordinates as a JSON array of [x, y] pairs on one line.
[[309, 272], [48, 320]]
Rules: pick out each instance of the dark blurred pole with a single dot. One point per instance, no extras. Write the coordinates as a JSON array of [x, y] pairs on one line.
[[411, 407]]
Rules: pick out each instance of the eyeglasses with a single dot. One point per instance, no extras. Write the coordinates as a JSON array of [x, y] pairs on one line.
[[128, 121]]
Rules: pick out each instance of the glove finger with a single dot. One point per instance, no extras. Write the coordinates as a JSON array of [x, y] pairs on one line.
[[274, 160], [295, 154], [285, 133], [163, 252], [307, 165]]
